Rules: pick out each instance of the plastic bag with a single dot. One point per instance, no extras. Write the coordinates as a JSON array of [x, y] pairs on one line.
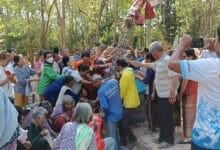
[[28, 89]]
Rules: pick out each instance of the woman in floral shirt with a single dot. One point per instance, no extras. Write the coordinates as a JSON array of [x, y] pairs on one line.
[[77, 135]]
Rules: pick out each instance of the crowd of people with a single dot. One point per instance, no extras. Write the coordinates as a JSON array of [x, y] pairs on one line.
[[92, 99]]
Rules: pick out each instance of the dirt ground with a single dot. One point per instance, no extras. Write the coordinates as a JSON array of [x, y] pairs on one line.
[[145, 139]]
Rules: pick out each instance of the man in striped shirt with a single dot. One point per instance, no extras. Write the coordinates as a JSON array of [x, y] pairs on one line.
[[166, 84]]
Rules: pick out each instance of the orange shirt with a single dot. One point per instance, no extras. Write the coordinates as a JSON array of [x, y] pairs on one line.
[[96, 125], [79, 63]]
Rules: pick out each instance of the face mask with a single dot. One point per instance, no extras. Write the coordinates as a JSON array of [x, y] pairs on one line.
[[50, 60]]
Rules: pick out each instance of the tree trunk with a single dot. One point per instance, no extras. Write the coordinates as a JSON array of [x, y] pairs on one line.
[[63, 25], [42, 35], [116, 20], [61, 19], [45, 22], [101, 8]]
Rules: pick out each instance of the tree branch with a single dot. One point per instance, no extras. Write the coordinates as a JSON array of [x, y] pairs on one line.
[[82, 11]]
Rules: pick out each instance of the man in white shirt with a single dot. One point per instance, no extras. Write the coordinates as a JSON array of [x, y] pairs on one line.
[[206, 129], [166, 84]]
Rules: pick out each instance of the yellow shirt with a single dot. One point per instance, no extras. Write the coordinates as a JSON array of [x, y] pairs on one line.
[[128, 89]]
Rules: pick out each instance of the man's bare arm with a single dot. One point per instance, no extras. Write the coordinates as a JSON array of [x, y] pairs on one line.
[[139, 64], [174, 64]]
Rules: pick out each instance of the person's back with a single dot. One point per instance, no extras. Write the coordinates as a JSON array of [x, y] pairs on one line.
[[51, 92], [110, 90], [128, 89]]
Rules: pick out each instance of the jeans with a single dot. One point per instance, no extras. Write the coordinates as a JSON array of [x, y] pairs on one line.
[[112, 131], [110, 143]]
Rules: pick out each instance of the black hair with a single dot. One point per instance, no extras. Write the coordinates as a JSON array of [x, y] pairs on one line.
[[20, 113], [41, 52], [16, 60], [191, 53], [122, 62], [10, 50], [150, 56], [83, 68], [146, 49], [66, 59], [68, 79], [97, 44], [99, 62], [170, 52], [56, 50], [114, 44], [45, 104], [85, 54], [46, 53]]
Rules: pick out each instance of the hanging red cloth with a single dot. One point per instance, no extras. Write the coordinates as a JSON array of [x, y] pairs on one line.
[[138, 20], [149, 11]]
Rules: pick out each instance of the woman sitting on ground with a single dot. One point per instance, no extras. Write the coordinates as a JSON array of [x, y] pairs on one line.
[[28, 113], [98, 126], [36, 133], [77, 135], [63, 113]]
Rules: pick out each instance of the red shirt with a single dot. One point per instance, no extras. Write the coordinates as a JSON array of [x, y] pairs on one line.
[[191, 88]]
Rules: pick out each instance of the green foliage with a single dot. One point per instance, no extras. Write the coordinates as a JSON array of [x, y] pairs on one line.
[[169, 20], [21, 23]]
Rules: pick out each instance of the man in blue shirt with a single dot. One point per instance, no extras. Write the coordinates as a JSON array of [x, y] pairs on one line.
[[52, 91], [111, 104]]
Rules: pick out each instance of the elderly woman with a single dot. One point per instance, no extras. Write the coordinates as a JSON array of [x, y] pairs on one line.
[[62, 113], [36, 133], [77, 135]]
